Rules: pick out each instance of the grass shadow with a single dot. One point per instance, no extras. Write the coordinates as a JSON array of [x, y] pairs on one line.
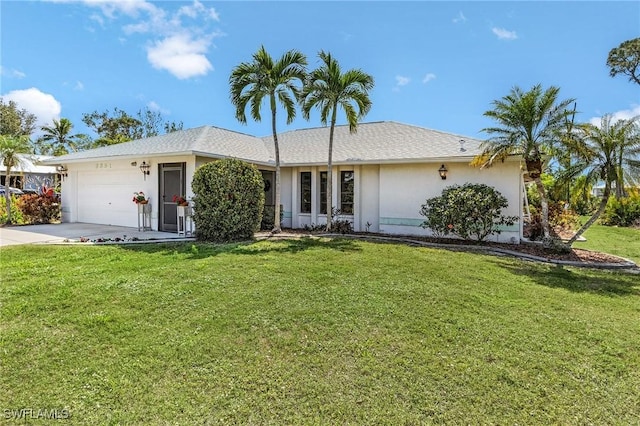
[[602, 282], [202, 250]]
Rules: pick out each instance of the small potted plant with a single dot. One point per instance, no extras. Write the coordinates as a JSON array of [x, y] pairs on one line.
[[140, 198], [180, 200]]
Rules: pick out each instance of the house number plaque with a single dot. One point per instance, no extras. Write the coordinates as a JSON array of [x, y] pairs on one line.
[[103, 165]]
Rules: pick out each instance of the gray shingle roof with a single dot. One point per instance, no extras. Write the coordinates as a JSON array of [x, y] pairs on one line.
[[205, 140], [374, 142], [383, 141]]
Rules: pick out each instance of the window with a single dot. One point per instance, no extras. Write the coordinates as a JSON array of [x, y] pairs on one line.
[[305, 192], [323, 192], [346, 192]]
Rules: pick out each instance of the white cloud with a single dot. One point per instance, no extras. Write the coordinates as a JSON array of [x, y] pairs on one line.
[[43, 105], [176, 46], [427, 78], [181, 55], [402, 81], [198, 8], [624, 114], [131, 8], [460, 18], [504, 34], [79, 86], [11, 73], [155, 107]]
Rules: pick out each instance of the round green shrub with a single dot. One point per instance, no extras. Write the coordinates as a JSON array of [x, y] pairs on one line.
[[228, 200], [470, 211]]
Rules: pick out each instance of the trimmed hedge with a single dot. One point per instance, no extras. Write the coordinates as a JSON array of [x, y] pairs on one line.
[[228, 200]]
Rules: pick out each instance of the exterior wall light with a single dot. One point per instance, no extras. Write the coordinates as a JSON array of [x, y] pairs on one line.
[[144, 168], [62, 171], [443, 172]]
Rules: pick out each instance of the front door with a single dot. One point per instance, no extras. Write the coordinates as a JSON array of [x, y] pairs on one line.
[[269, 178], [172, 183]]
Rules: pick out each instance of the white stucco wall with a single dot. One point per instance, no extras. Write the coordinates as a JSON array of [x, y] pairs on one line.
[[404, 188], [102, 191], [387, 196], [369, 198]]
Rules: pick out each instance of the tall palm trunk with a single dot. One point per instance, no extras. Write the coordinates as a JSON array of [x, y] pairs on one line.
[[544, 206], [534, 168], [603, 205], [276, 215], [330, 170], [620, 192], [7, 194]]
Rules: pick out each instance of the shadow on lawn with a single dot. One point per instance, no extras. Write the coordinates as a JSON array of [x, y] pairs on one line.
[[606, 283], [202, 250]]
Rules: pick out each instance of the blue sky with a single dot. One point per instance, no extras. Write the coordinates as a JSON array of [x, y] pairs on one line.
[[436, 64]]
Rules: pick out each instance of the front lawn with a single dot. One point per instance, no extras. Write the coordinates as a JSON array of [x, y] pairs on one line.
[[620, 241], [314, 332]]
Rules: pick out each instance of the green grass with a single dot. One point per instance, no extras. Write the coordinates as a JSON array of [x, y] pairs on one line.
[[619, 241], [314, 332]]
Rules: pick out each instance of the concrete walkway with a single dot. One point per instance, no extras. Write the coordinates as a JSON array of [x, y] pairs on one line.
[[75, 232]]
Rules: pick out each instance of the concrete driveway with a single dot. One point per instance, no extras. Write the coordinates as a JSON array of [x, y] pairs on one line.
[[73, 232]]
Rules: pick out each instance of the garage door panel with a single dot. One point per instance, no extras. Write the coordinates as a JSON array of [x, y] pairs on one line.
[[105, 197]]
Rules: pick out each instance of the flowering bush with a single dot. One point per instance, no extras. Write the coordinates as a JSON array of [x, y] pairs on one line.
[[139, 198], [180, 200]]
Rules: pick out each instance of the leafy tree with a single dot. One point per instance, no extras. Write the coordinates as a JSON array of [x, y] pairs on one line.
[[328, 89], [153, 123], [528, 125], [14, 121], [252, 82], [229, 198], [10, 148], [172, 126], [111, 130], [58, 140], [471, 211], [122, 127], [610, 153], [625, 59]]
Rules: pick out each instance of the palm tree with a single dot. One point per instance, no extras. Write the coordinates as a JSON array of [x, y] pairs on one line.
[[59, 138], [528, 125], [610, 153], [251, 82], [10, 148], [328, 89]]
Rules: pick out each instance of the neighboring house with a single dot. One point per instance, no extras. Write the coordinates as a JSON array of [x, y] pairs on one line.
[[30, 174], [598, 190], [382, 175]]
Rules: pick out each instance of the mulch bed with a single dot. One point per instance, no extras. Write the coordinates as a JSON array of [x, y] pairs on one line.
[[579, 256]]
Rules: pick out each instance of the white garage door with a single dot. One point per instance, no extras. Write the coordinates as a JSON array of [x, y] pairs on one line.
[[104, 197]]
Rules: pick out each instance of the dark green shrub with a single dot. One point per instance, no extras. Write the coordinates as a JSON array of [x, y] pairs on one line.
[[470, 211], [39, 208], [229, 199], [268, 215], [622, 212]]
